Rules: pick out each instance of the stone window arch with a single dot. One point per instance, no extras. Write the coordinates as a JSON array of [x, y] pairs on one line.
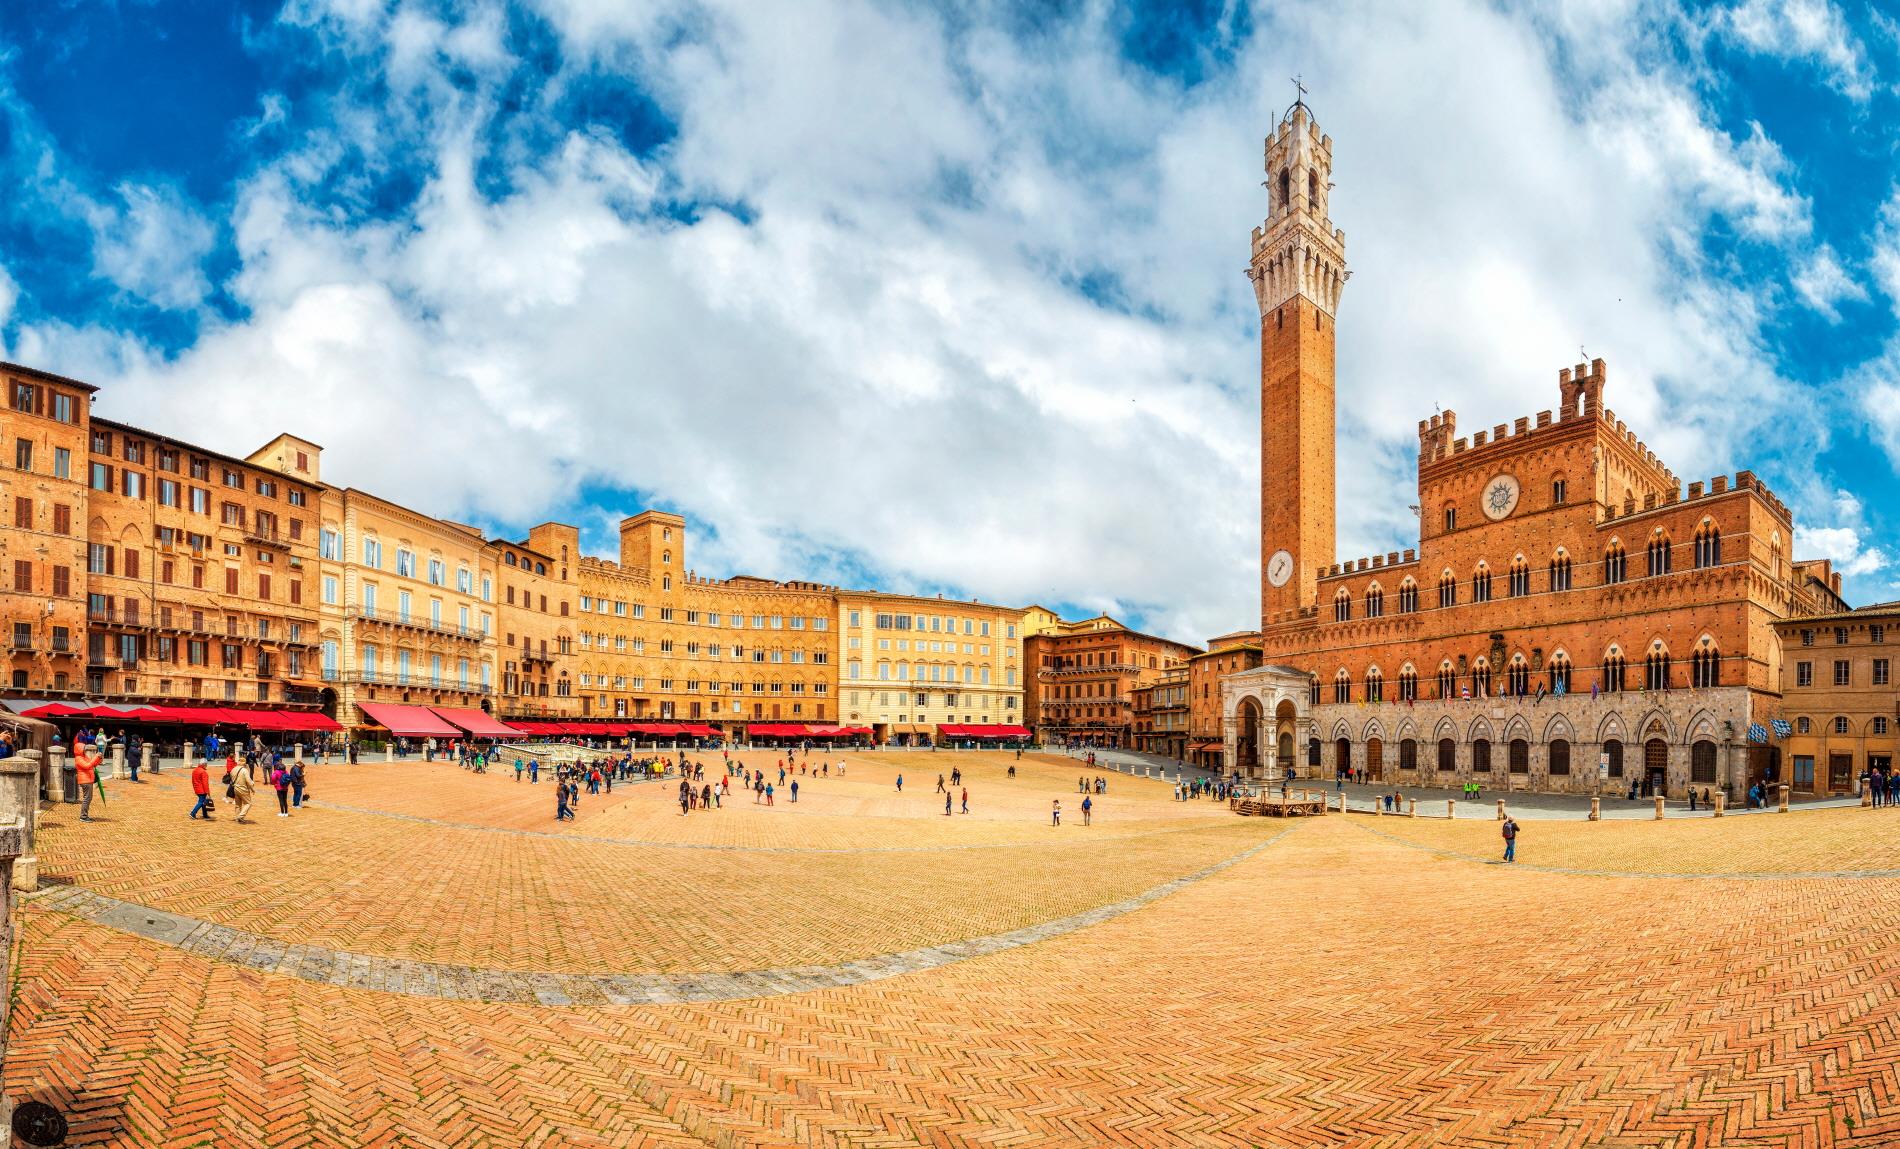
[[1518, 676], [1408, 683], [1342, 686], [1342, 605], [1560, 570], [1615, 669], [1615, 563], [1447, 588], [1708, 545], [1658, 554], [1520, 577], [1408, 596], [1481, 583], [1447, 680], [1656, 667], [1375, 685], [1375, 601], [1705, 664], [1559, 672]]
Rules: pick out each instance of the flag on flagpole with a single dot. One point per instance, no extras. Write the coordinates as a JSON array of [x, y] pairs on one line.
[[1757, 732], [1783, 728]]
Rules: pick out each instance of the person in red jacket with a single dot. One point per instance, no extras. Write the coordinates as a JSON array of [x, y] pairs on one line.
[[201, 786]]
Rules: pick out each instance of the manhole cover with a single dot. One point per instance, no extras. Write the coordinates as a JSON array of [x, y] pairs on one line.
[[37, 1123]]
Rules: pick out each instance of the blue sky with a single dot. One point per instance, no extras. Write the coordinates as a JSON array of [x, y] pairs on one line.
[[948, 297]]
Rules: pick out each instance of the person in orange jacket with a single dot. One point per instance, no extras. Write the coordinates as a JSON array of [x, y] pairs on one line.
[[201, 786], [86, 767]]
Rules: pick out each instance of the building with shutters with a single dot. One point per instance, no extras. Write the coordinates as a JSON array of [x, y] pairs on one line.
[[1840, 704]]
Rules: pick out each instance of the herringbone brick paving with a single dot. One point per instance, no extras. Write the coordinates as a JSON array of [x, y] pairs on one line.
[[1338, 988], [469, 896]]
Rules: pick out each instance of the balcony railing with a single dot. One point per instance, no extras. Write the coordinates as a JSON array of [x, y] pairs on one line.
[[411, 681], [267, 538], [396, 618]]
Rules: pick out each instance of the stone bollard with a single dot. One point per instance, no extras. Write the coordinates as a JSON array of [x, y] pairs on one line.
[[1411, 810], [68, 776], [1500, 809], [19, 779], [1596, 808], [1342, 802], [1721, 802], [115, 764], [1867, 797], [49, 775], [186, 753], [1451, 810], [148, 761], [1659, 807], [1784, 797], [389, 752], [297, 750], [1378, 806]]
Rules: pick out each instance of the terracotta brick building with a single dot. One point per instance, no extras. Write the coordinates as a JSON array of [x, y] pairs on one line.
[[1085, 674], [1225, 655], [1840, 697], [199, 573], [43, 530], [660, 642], [1573, 617]]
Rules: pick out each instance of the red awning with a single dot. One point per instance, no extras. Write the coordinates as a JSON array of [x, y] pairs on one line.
[[54, 710], [408, 721], [306, 720], [697, 731], [779, 730], [476, 722]]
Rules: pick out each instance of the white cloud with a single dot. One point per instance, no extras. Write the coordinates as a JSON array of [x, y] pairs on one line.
[[1886, 244], [1824, 283], [151, 243], [1846, 542], [1812, 30], [883, 356]]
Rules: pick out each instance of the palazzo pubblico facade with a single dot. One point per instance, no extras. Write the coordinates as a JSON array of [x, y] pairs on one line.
[[1574, 617]]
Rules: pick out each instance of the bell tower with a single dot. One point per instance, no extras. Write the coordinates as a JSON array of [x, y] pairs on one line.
[[1298, 272]]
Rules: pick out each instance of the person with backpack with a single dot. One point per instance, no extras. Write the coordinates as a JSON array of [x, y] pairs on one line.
[[1510, 838], [1088, 810], [280, 782], [296, 785]]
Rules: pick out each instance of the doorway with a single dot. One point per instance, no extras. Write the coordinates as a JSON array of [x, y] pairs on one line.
[[1342, 756], [1655, 767], [1375, 760]]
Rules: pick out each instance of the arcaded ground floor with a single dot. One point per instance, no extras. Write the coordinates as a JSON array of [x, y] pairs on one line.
[[425, 958]]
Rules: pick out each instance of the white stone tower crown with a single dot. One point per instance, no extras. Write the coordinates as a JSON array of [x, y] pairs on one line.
[[1298, 251]]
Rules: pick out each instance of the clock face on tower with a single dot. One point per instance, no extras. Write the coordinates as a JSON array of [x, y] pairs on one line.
[[1279, 568], [1500, 497]]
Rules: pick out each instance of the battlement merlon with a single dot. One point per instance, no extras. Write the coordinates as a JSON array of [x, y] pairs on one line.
[[1580, 389]]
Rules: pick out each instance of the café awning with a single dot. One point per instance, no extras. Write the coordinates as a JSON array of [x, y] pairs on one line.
[[477, 722], [408, 721]]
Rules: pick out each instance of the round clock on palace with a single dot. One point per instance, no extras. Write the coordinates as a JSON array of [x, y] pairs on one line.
[[1279, 568], [1500, 496]]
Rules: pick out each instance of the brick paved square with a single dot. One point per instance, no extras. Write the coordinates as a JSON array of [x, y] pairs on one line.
[[424, 957]]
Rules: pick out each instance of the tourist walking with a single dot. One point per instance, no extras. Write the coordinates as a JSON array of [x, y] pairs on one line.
[[966, 799], [794, 789], [900, 783], [201, 786], [1055, 813], [946, 803], [239, 788], [1088, 806], [280, 782], [1510, 839]]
